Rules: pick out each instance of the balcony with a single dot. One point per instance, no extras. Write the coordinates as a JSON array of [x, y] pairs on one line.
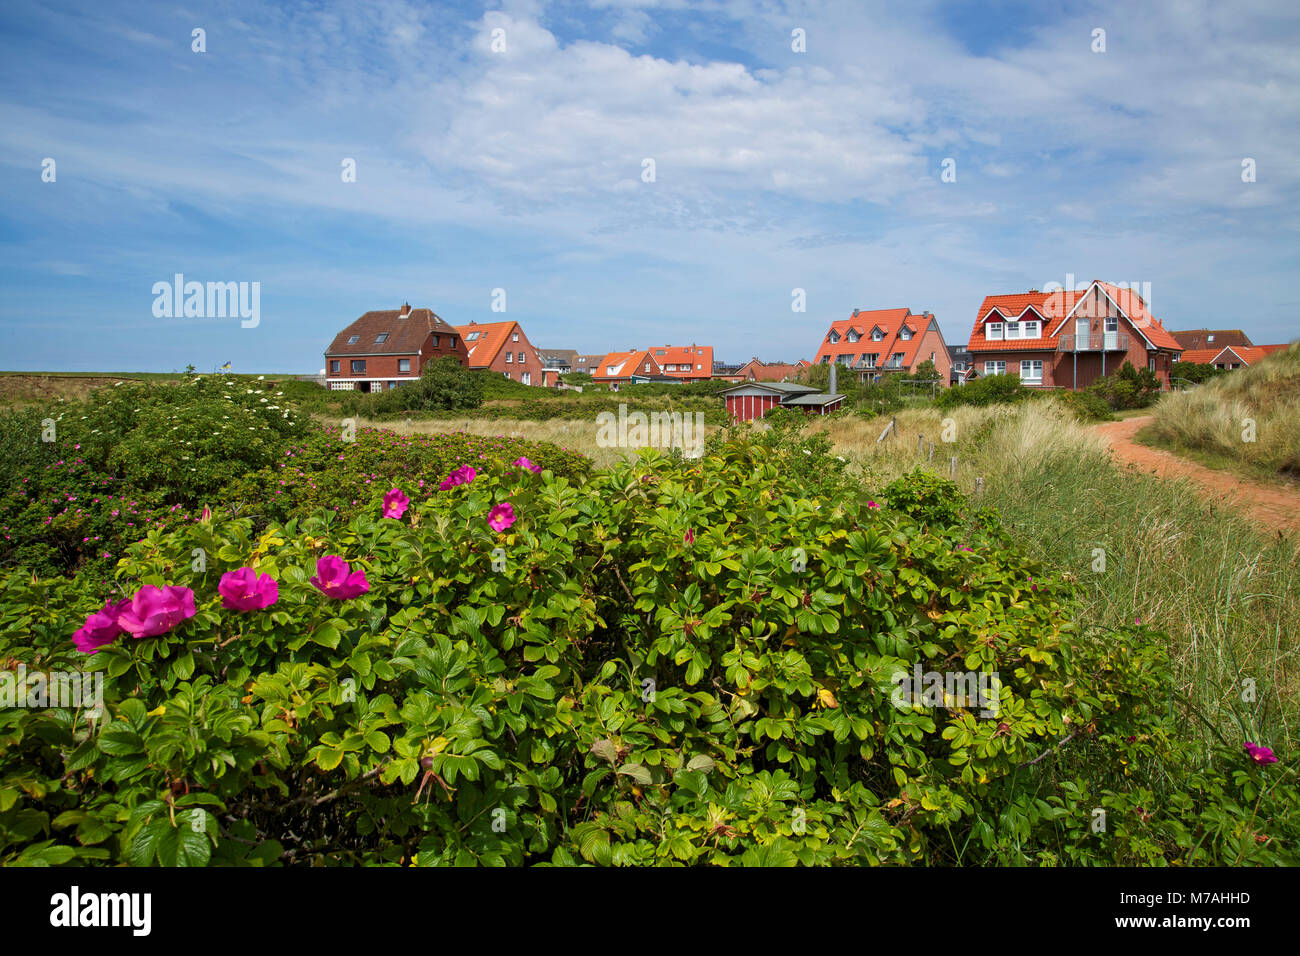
[[1094, 342]]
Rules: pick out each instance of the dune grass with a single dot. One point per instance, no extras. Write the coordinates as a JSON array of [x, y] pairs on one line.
[[1250, 418], [1227, 595]]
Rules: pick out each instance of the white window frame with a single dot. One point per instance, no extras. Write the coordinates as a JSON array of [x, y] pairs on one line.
[[1030, 377], [510, 358], [406, 362], [877, 335], [514, 336], [990, 328], [853, 335], [995, 368], [833, 338], [905, 334], [1031, 329]]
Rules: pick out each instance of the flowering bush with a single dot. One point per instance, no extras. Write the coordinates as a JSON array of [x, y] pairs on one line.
[[671, 662]]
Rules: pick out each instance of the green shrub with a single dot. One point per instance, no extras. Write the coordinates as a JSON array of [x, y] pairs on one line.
[[1088, 405], [929, 499], [990, 390], [674, 662]]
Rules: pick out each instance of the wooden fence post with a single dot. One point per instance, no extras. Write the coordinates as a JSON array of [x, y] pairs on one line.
[[920, 445], [953, 468], [979, 488], [931, 451]]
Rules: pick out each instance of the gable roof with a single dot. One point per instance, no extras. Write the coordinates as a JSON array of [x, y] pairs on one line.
[[1246, 355], [487, 344], [891, 322], [770, 371], [559, 356], [1199, 339], [405, 336], [1057, 307], [625, 364]]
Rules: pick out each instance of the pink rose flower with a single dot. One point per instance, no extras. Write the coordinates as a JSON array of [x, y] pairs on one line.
[[1260, 754], [246, 590], [501, 516], [101, 627], [525, 463], [336, 579], [155, 610], [461, 476], [395, 504]]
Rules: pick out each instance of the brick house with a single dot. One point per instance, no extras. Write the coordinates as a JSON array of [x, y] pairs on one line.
[[1194, 340], [693, 363], [1230, 356], [884, 340], [756, 371], [503, 347], [587, 362], [386, 348], [1069, 339]]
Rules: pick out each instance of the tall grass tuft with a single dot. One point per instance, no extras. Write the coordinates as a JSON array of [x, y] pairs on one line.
[[1215, 418]]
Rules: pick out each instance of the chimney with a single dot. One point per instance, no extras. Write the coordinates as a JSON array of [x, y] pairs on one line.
[[855, 313], [406, 310]]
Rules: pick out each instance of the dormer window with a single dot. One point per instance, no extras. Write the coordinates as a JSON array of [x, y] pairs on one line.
[[834, 337], [905, 333], [1013, 330], [993, 332], [1030, 329], [877, 335], [853, 335]]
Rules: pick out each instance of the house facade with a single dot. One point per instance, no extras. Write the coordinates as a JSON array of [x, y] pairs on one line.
[[681, 363], [871, 343], [386, 348], [502, 347], [1069, 339]]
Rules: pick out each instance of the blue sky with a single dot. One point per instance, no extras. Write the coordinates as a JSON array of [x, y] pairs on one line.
[[521, 168]]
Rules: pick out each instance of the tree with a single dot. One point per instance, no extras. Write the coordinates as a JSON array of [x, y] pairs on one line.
[[448, 385]]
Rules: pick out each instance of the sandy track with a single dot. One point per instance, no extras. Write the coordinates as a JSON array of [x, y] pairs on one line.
[[1271, 507]]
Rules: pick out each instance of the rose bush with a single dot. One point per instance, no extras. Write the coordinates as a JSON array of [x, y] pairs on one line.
[[672, 662]]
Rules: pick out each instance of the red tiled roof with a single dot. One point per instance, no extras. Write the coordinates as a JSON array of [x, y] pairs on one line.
[[890, 322], [491, 337], [1248, 354], [625, 364], [633, 362], [405, 336], [1054, 308], [770, 371]]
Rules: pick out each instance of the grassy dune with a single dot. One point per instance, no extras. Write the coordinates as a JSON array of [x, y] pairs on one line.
[[1227, 595], [1210, 421]]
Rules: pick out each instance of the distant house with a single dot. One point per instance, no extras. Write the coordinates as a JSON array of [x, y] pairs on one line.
[[503, 347], [1229, 357], [587, 363], [726, 372], [1195, 340], [963, 365], [670, 363], [885, 340], [1069, 339], [385, 348], [756, 371], [562, 360], [751, 400]]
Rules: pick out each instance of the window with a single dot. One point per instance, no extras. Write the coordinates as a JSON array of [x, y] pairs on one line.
[[471, 336], [1013, 330], [993, 332], [825, 359], [334, 365], [358, 366], [1031, 370], [871, 359], [1152, 364], [526, 378], [514, 337], [647, 366], [506, 374], [1209, 338], [451, 341], [510, 357], [846, 359], [521, 358], [381, 338], [435, 341], [404, 365], [833, 337], [896, 360], [877, 335], [1030, 330], [392, 385], [995, 368], [905, 333], [699, 368], [609, 370], [853, 335], [353, 339]]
